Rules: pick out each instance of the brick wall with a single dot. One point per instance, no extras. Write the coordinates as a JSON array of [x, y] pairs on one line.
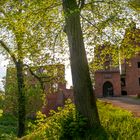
[[132, 75], [54, 100], [107, 76]]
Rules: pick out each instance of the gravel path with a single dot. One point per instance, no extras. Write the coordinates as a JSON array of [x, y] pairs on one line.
[[129, 103]]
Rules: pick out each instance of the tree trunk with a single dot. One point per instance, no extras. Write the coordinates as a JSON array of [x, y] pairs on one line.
[[84, 97], [21, 99]]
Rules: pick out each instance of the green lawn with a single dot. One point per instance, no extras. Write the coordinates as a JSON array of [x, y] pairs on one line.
[[118, 124]]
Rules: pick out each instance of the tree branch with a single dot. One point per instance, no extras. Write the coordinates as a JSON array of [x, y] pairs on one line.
[[8, 51], [81, 4], [89, 22], [92, 24], [40, 78]]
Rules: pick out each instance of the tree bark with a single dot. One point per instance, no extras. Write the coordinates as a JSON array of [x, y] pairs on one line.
[[21, 99], [84, 97]]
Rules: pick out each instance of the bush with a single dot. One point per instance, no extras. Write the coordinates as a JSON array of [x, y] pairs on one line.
[[64, 124], [117, 124]]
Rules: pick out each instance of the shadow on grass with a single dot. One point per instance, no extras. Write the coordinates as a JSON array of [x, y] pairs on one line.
[[92, 134], [96, 134], [8, 127]]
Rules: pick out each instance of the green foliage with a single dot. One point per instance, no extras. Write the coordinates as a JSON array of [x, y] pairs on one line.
[[130, 44], [34, 98], [135, 4], [66, 123], [8, 127], [1, 104], [105, 56], [33, 94], [1, 112], [11, 92], [117, 124]]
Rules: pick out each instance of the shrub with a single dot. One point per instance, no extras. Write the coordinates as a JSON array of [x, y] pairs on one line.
[[64, 124], [117, 124]]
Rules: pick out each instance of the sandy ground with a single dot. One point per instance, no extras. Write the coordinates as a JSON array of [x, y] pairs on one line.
[[126, 102]]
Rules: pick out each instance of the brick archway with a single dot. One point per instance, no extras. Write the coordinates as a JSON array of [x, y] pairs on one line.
[[107, 89]]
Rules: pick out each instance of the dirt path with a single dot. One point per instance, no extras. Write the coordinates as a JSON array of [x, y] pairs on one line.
[[129, 103]]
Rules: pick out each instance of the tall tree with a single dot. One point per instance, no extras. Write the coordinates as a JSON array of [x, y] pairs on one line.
[[24, 37], [84, 96], [21, 95]]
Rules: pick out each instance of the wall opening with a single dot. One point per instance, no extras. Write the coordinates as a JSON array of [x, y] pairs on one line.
[[107, 89], [124, 92]]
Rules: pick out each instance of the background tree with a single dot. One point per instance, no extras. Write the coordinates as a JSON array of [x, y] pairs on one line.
[[24, 38], [33, 94]]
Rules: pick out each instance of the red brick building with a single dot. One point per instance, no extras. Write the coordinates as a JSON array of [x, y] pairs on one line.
[[116, 83], [58, 98], [130, 76], [107, 78], [121, 80], [55, 90], [107, 83]]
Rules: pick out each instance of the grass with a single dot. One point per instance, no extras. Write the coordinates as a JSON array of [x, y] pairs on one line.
[[8, 127], [117, 124]]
